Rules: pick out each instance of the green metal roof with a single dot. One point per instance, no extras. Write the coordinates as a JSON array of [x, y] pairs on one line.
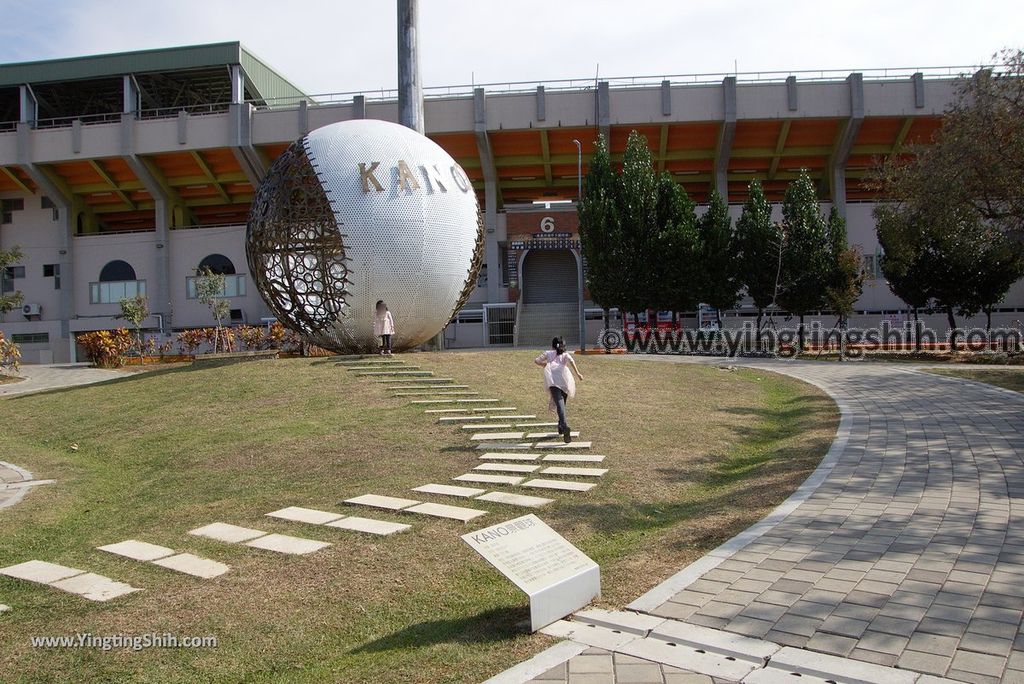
[[260, 77]]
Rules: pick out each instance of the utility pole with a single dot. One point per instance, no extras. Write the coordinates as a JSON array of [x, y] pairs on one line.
[[410, 87]]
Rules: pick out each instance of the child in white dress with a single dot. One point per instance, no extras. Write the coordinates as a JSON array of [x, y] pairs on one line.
[[383, 327], [559, 368]]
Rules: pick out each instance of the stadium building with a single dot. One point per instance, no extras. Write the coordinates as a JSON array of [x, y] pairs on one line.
[[122, 173]]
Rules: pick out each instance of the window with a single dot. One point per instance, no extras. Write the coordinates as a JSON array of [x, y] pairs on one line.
[[234, 286], [114, 292], [47, 203], [8, 207], [8, 276], [52, 271], [471, 316], [117, 270], [31, 338], [217, 263], [503, 263]]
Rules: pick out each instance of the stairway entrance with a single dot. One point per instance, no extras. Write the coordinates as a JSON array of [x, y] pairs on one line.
[[548, 304]]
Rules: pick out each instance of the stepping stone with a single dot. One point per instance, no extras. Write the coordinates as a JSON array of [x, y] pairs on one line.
[[573, 458], [461, 419], [489, 479], [507, 467], [193, 565], [397, 388], [560, 484], [550, 435], [305, 515], [40, 571], [232, 534], [499, 408], [369, 526], [433, 401], [375, 367], [136, 550], [449, 490], [534, 425], [477, 401], [498, 456], [389, 502], [94, 587], [582, 472], [562, 445], [395, 373], [488, 426], [443, 511], [515, 499], [496, 435], [388, 381], [516, 418], [504, 445], [448, 410], [283, 543], [434, 393], [4, 608]]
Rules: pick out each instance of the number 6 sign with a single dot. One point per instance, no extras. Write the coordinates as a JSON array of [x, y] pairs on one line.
[[547, 224]]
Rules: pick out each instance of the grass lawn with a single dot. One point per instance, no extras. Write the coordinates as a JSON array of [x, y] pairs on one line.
[[1010, 379], [695, 454]]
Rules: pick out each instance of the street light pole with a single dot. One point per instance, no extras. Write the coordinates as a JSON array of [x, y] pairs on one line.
[[579, 199]]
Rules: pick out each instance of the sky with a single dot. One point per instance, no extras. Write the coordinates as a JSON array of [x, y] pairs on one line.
[[348, 46]]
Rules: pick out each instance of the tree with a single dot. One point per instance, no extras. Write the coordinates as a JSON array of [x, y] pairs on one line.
[[677, 273], [210, 291], [637, 211], [806, 254], [7, 258], [720, 285], [846, 282], [903, 261], [600, 230], [135, 310], [1000, 266], [758, 239]]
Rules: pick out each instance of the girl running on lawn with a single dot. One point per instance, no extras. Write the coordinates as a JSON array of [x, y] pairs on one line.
[[383, 327], [559, 368]]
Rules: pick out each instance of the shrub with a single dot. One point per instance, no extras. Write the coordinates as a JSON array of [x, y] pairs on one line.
[[10, 355], [189, 340], [106, 348], [252, 336]]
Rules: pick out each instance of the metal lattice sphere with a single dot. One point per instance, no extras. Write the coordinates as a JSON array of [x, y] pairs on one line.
[[360, 211]]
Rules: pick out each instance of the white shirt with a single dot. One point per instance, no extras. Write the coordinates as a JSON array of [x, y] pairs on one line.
[[557, 372], [383, 325]]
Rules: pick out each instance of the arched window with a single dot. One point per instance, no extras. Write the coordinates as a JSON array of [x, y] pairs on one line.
[[116, 271], [117, 281], [218, 263]]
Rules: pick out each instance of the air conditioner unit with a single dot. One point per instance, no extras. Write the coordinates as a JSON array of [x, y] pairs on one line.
[[32, 310]]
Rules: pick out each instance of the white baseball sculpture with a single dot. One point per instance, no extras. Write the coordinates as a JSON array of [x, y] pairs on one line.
[[361, 211]]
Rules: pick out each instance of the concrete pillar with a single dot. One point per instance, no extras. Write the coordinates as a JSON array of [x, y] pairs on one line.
[[359, 107], [160, 295], [844, 144], [237, 84], [542, 111], [725, 135], [241, 143], [131, 95], [792, 101], [666, 98], [410, 87], [491, 195], [604, 112], [918, 80], [29, 111]]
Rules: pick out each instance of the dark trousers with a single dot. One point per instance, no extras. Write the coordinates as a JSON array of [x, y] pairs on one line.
[[559, 396], [385, 342]]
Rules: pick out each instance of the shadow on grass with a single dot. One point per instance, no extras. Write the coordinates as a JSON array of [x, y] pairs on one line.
[[492, 626]]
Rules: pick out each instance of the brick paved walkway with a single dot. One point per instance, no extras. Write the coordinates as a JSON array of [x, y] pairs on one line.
[[910, 551], [56, 376]]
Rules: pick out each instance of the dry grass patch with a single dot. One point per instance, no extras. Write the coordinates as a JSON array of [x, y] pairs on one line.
[[1010, 379], [695, 455]]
